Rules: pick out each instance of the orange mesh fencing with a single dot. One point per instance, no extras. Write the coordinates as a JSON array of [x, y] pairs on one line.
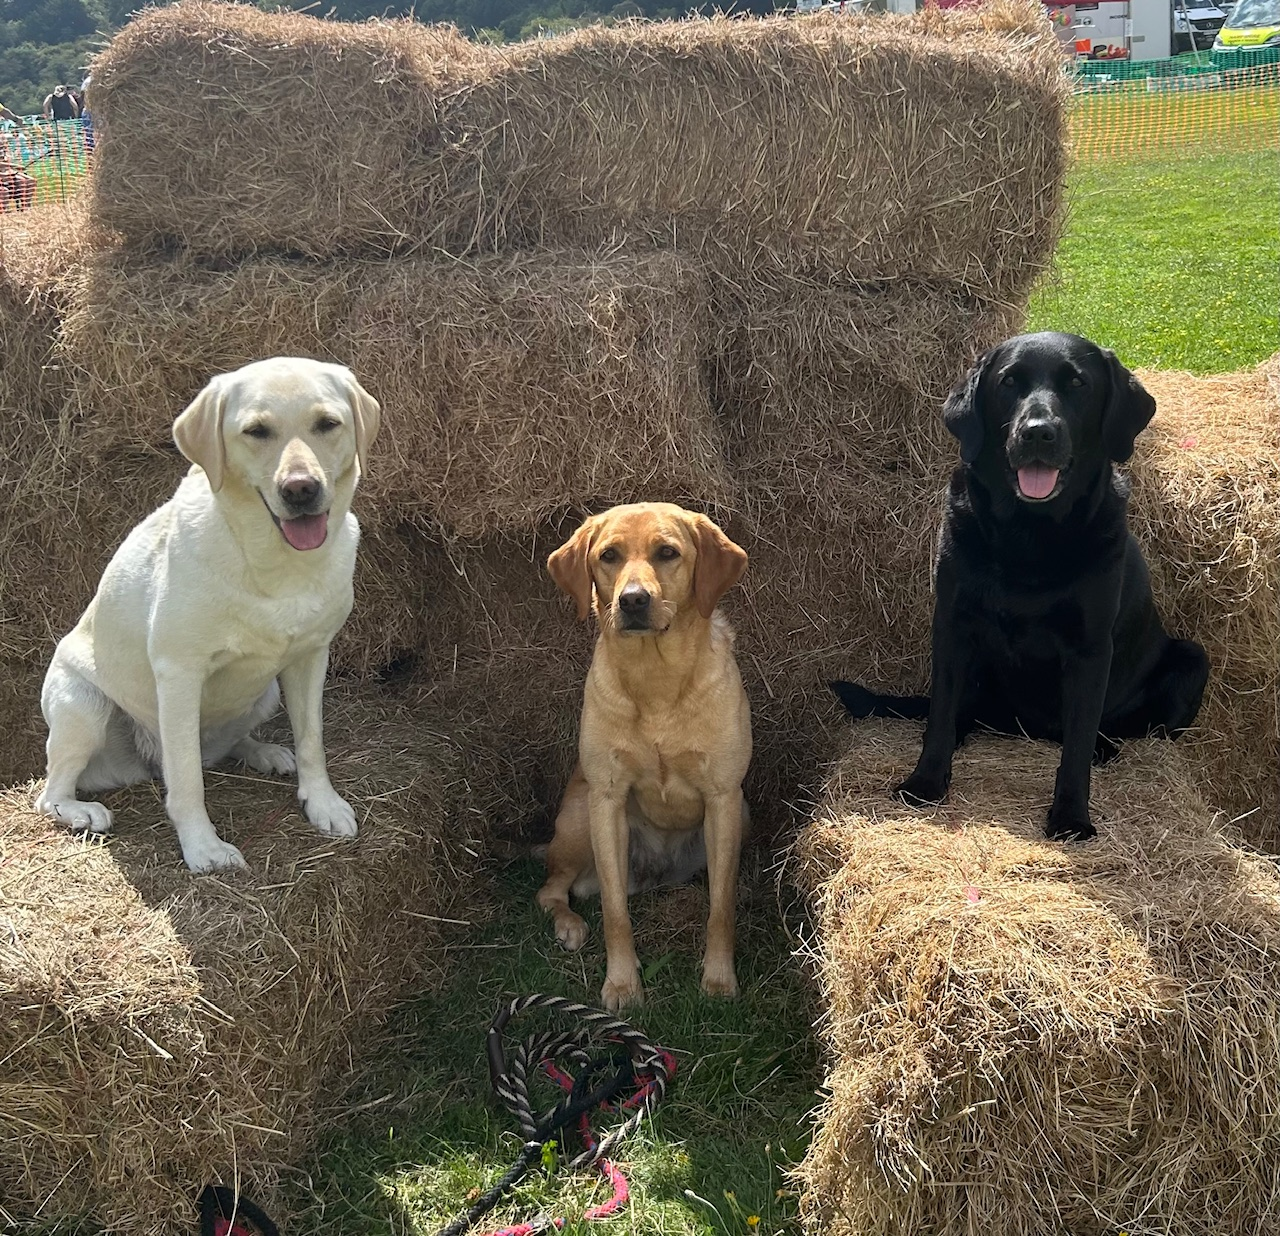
[[1125, 108]]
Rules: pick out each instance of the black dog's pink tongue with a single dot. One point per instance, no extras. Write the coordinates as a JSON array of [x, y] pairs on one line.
[[1037, 480], [306, 532]]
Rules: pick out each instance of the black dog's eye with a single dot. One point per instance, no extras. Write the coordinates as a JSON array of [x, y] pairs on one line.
[[609, 555], [326, 423], [667, 552], [1077, 380], [258, 430], [1007, 380]]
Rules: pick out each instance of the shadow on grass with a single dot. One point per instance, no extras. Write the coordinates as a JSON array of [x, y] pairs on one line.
[[420, 1131]]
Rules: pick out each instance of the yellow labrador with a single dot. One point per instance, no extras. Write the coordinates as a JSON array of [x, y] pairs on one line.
[[243, 577], [666, 733]]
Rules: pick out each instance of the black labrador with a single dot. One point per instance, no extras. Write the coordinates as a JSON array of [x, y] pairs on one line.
[[1043, 621]]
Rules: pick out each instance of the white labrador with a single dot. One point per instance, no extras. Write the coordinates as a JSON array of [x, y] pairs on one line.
[[243, 576]]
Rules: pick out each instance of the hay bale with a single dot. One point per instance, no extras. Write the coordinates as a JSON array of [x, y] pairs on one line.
[[230, 130], [161, 1031], [880, 147], [540, 382], [514, 388], [931, 145], [1206, 506], [37, 250], [1027, 1036]]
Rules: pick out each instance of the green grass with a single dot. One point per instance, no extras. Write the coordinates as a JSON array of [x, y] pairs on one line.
[[1175, 264], [735, 1119]]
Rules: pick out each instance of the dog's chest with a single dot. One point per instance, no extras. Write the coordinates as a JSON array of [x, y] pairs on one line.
[[274, 629], [665, 775]]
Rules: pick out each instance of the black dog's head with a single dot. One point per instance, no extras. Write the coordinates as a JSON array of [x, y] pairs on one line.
[[1044, 413]]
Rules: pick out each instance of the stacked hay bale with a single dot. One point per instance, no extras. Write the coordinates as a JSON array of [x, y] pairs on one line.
[[160, 1032], [41, 548], [1028, 1037], [1207, 509], [730, 263], [559, 311]]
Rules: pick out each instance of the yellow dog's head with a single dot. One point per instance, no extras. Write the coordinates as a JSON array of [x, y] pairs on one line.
[[646, 564]]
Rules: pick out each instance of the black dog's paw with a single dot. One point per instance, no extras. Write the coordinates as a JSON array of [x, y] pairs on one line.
[[1069, 825], [858, 701], [919, 791]]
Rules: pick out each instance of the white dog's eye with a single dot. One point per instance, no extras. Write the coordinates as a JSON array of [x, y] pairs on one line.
[[258, 430], [326, 423]]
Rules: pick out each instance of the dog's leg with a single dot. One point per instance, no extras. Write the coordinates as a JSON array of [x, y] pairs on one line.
[[610, 843], [568, 856], [264, 757], [1084, 691], [78, 716], [953, 657], [1171, 696], [303, 683], [178, 688], [724, 822]]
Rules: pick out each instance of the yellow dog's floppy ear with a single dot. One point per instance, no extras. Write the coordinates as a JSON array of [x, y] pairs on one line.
[[198, 432], [367, 413], [719, 565], [570, 569]]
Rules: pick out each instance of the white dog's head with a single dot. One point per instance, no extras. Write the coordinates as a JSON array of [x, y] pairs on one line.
[[297, 432]]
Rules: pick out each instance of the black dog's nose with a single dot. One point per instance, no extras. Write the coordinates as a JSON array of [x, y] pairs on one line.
[[299, 491], [633, 599], [1038, 432]]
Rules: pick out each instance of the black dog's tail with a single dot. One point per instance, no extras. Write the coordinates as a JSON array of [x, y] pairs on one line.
[[859, 702]]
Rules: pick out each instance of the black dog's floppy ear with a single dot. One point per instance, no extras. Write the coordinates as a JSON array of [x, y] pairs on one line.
[[1129, 409], [961, 414]]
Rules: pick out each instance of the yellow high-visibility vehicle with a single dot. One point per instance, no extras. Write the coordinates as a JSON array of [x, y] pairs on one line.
[[1253, 23]]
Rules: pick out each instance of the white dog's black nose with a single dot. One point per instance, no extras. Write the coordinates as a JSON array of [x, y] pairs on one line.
[[299, 491]]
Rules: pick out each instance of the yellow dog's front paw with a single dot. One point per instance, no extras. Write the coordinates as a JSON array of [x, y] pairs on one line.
[[720, 981], [617, 995]]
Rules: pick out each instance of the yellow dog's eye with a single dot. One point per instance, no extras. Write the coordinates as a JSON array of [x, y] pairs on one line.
[[257, 430], [609, 555], [667, 552], [326, 423]]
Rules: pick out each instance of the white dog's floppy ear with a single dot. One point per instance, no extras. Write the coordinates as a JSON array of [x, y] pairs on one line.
[[719, 565], [1129, 409], [571, 571], [961, 413], [367, 413], [198, 432]]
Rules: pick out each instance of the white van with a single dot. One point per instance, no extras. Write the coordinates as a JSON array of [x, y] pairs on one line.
[[1195, 25]]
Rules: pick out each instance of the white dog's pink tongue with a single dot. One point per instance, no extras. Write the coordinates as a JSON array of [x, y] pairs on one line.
[[1037, 480], [305, 532]]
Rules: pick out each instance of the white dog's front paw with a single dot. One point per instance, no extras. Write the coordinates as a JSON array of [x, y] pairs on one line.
[[212, 854], [268, 757], [329, 812], [77, 816]]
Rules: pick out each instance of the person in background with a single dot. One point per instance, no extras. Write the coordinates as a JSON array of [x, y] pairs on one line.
[[17, 188], [60, 105], [6, 114], [86, 117]]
